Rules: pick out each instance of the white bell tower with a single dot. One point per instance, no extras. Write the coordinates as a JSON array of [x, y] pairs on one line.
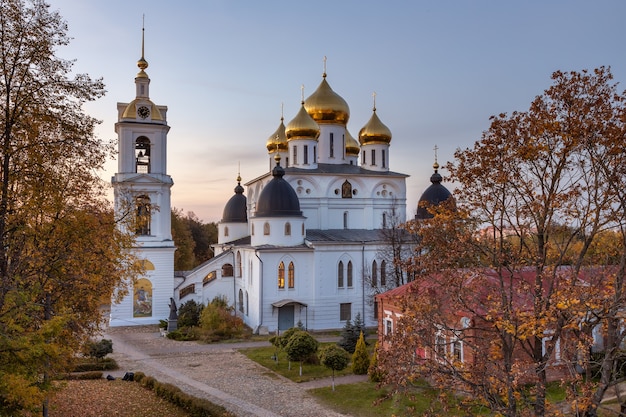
[[142, 191]]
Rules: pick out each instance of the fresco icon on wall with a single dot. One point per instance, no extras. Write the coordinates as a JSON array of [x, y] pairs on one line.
[[142, 298]]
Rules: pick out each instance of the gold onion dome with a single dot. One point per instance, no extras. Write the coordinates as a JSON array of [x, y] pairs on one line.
[[278, 140], [302, 126], [352, 146], [374, 131], [327, 107]]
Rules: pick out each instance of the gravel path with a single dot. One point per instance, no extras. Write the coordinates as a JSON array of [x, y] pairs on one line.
[[217, 372]]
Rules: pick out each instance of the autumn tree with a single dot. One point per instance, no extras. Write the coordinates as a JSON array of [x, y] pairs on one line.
[[61, 252], [507, 288]]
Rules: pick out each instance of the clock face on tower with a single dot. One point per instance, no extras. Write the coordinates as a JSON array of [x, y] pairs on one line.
[[143, 112]]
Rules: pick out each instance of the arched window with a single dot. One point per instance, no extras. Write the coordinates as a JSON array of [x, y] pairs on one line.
[[349, 274], [225, 230], [266, 229], [241, 300], [345, 219], [144, 215], [227, 270], [374, 274], [281, 275], [247, 303], [238, 264], [384, 220], [340, 274], [291, 275], [287, 229], [142, 155], [383, 273]]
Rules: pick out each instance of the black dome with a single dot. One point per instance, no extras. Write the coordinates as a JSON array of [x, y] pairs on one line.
[[278, 198], [235, 210], [433, 196]]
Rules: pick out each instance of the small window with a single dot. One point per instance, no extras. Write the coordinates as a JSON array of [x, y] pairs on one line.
[[349, 274], [241, 300], [246, 303], [373, 157], [363, 162], [384, 163], [383, 273], [227, 270], [281, 275], [388, 326], [287, 229], [345, 219], [239, 265], [345, 311], [295, 155], [332, 146], [384, 220], [374, 274], [291, 275], [340, 275], [266, 229], [302, 229], [457, 349], [306, 154], [226, 231], [252, 229], [314, 154]]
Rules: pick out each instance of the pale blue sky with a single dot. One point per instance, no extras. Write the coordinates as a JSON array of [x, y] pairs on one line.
[[223, 68]]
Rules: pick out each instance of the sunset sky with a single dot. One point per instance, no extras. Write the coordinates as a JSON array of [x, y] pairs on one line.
[[223, 68]]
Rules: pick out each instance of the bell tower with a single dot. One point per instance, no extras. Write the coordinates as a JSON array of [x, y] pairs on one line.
[[142, 190]]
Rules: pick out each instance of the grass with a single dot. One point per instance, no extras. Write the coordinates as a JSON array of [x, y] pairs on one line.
[[264, 356]]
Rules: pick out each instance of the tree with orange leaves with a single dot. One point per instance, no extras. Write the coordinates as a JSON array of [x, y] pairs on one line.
[[511, 284]]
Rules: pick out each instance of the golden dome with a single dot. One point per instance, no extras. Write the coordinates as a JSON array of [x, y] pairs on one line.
[[326, 106], [352, 146], [302, 126], [131, 110], [278, 140], [374, 131]]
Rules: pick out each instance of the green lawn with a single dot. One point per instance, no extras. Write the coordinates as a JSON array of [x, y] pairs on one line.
[[264, 356]]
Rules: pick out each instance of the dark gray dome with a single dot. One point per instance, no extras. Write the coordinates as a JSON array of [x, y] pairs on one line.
[[433, 196], [236, 209], [278, 198]]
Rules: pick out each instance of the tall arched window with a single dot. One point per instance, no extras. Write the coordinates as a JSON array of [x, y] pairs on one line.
[[225, 230], [349, 274], [340, 274], [144, 215], [142, 155], [374, 274], [241, 300], [247, 303], [383, 273], [266, 229], [281, 275], [238, 264], [287, 229], [291, 275]]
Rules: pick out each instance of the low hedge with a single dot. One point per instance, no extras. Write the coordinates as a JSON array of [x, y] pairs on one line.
[[88, 365], [196, 407], [85, 375]]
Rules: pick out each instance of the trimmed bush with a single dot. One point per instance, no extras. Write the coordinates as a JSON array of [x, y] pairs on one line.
[[107, 364], [84, 375], [99, 349]]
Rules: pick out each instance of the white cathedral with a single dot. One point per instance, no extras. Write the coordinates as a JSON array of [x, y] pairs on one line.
[[296, 246]]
